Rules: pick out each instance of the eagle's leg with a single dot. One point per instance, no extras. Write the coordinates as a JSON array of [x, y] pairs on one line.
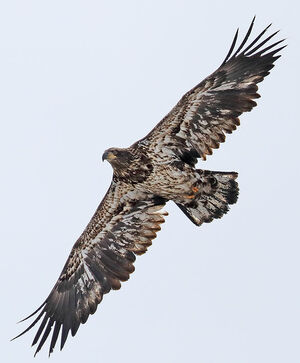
[[210, 196]]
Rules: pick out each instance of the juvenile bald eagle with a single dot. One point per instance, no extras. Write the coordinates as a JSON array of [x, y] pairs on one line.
[[156, 169]]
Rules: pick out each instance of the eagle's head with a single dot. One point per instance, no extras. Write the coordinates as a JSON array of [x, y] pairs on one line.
[[128, 165], [118, 158]]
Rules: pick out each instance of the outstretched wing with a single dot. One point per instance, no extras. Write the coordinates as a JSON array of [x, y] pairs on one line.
[[198, 123], [123, 225]]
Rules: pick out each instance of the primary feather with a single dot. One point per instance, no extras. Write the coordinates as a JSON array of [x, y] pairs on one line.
[[155, 169]]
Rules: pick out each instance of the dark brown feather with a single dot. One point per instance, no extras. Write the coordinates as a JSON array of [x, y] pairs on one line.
[[212, 108], [126, 221], [88, 275]]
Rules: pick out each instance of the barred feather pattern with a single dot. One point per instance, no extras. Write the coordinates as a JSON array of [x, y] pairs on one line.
[[216, 190], [155, 169], [200, 120], [99, 264]]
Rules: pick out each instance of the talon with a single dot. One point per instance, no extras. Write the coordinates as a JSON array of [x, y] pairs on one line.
[[195, 189], [190, 196]]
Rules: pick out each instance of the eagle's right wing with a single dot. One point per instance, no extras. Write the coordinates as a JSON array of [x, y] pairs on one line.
[[123, 225]]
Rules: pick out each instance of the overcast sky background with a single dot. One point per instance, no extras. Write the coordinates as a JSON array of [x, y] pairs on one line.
[[78, 77]]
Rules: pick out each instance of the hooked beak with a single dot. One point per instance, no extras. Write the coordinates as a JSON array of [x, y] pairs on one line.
[[108, 155]]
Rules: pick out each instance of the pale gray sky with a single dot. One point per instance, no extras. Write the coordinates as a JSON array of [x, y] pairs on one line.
[[80, 76]]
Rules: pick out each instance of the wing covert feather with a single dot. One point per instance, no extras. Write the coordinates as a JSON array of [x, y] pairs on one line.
[[126, 221], [200, 120], [123, 226]]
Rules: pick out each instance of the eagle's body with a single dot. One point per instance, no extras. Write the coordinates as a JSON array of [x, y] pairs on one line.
[[161, 175], [202, 195], [154, 170]]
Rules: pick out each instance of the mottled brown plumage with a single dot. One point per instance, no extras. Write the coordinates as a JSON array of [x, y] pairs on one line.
[[158, 168]]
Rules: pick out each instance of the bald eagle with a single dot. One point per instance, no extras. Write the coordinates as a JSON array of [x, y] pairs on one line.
[[159, 168]]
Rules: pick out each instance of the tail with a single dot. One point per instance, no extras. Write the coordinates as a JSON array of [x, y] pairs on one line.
[[213, 192]]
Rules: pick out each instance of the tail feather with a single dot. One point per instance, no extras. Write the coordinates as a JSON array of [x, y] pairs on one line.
[[216, 191]]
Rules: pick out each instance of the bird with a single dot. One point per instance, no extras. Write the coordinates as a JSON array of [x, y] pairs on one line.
[[159, 168]]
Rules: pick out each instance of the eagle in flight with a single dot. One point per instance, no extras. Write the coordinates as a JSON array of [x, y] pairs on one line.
[[154, 170]]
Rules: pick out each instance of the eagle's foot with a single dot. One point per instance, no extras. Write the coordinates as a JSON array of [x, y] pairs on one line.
[[192, 196]]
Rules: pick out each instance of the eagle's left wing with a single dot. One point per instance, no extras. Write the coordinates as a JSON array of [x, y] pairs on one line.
[[200, 120], [124, 224]]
